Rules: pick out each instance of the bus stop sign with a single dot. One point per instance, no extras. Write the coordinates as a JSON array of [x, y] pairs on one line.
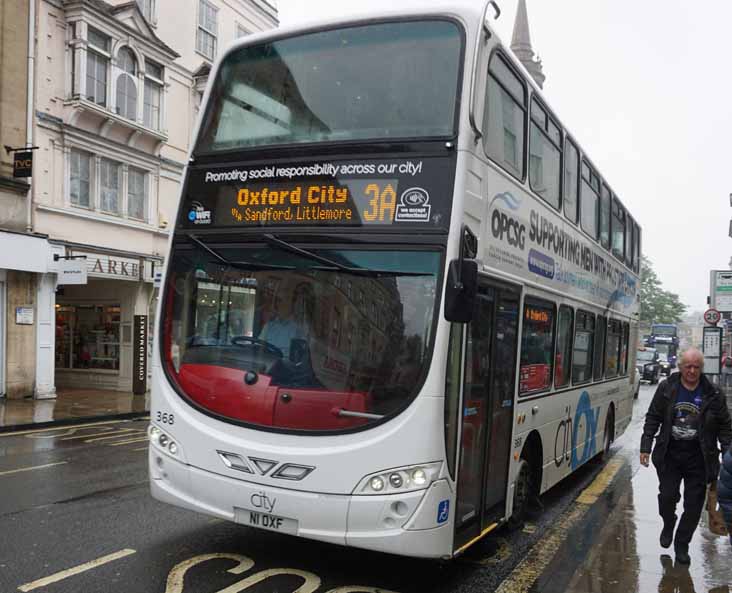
[[712, 316]]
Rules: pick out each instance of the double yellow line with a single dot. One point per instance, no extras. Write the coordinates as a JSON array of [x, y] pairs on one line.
[[523, 577]]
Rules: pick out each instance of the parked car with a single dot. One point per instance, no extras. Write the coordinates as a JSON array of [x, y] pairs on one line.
[[636, 383], [648, 365]]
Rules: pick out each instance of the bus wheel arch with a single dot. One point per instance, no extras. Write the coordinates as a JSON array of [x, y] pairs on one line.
[[608, 436], [527, 483]]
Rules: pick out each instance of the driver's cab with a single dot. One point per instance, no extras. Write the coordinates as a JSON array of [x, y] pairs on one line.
[[249, 358]]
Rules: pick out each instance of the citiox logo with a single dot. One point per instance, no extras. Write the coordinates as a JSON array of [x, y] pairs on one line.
[[506, 228]]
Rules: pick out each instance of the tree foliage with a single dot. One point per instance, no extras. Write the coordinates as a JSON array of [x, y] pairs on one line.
[[658, 305]]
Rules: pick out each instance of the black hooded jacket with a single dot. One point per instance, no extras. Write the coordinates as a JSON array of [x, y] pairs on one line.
[[714, 423]]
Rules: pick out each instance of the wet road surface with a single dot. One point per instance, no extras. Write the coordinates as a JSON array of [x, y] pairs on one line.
[[76, 516]]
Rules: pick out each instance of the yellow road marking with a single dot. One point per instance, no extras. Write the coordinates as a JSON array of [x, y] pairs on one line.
[[75, 570], [141, 449], [522, 577], [27, 469], [128, 442], [42, 430], [117, 435], [97, 434]]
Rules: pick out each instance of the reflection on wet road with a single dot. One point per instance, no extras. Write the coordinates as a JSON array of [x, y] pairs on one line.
[[625, 555]]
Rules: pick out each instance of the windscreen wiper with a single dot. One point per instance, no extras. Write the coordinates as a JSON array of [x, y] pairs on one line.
[[285, 246], [240, 265]]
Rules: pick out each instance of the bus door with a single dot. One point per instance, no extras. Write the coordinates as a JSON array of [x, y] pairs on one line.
[[488, 390]]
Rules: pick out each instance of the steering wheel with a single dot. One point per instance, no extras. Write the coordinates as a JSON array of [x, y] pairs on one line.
[[271, 348]]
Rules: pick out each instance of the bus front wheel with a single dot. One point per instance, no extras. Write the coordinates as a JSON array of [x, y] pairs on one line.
[[521, 495]]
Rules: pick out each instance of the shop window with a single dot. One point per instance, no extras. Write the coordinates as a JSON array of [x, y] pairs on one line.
[[537, 341], [88, 337], [584, 340]]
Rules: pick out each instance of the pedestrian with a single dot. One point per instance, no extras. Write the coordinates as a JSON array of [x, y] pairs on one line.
[[726, 370], [687, 416], [724, 490]]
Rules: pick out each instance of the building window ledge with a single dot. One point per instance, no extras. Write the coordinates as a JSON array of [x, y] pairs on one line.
[[81, 105], [10, 184], [105, 218]]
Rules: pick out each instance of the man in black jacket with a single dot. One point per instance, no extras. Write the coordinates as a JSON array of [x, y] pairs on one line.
[[692, 416]]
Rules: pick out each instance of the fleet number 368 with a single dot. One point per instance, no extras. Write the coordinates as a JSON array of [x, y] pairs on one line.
[[165, 418]]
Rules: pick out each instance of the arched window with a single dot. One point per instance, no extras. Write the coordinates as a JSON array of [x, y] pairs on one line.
[[126, 87]]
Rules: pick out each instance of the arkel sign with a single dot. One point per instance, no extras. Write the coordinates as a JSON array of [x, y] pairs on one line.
[[100, 265]]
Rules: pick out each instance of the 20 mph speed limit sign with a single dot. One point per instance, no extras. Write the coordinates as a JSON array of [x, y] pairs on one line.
[[712, 316]]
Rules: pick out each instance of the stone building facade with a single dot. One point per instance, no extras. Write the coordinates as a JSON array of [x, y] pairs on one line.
[[117, 91]]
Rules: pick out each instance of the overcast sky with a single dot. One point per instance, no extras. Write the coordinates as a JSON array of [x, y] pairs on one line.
[[645, 87]]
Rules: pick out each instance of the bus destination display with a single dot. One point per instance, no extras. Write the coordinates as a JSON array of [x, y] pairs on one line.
[[392, 192]]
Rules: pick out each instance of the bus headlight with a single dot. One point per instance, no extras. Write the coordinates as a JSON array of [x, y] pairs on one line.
[[377, 484], [162, 441], [419, 477], [400, 479]]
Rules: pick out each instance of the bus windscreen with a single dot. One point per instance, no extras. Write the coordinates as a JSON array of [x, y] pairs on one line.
[[332, 86], [329, 340]]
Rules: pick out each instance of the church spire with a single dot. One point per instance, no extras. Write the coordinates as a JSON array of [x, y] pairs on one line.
[[521, 44]]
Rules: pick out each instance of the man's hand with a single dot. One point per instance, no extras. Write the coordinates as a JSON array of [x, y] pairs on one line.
[[644, 459]]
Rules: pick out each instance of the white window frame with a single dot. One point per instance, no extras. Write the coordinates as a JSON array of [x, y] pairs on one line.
[[151, 80], [105, 55], [134, 76], [145, 193], [90, 181], [202, 6], [152, 17], [119, 188]]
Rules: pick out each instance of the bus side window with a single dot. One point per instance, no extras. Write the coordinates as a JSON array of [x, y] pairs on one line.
[[618, 230], [624, 350], [612, 352], [589, 200], [605, 217], [545, 156], [505, 116], [537, 341], [599, 355], [563, 356], [584, 342], [571, 181]]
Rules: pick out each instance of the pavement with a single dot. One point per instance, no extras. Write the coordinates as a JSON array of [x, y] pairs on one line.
[[71, 406]]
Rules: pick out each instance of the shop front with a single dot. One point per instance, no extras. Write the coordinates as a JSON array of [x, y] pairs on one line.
[[97, 345]]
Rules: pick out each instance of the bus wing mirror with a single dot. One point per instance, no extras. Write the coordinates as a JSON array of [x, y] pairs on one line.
[[462, 287]]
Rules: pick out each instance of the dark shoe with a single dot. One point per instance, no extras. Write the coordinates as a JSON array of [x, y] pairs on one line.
[[682, 554], [667, 536]]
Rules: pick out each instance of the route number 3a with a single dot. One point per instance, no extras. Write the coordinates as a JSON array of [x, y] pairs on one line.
[[311, 582], [165, 418]]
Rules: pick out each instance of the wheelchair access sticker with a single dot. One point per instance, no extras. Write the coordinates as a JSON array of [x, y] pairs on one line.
[[443, 511]]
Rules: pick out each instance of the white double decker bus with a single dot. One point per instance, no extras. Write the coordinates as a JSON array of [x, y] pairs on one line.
[[400, 299]]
